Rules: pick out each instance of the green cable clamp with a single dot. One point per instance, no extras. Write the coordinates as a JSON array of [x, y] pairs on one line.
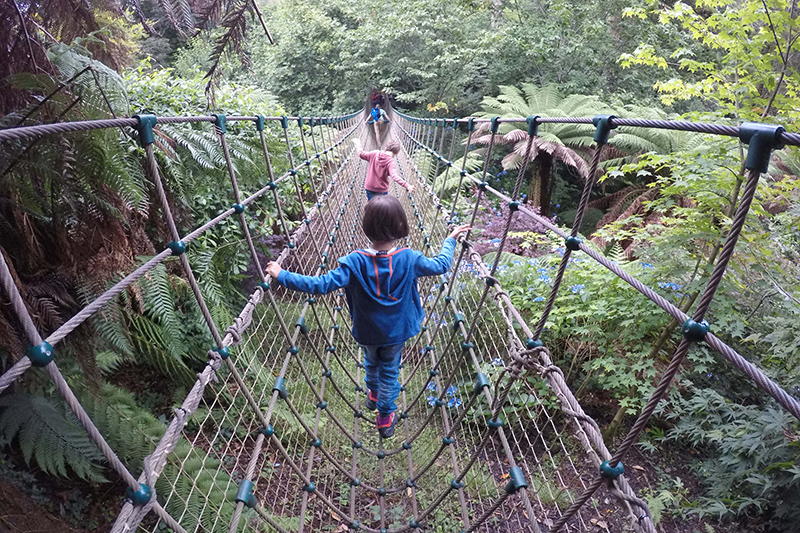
[[471, 124], [611, 472], [330, 348], [455, 123], [455, 485], [354, 525], [337, 308], [481, 381], [300, 121], [272, 185], [463, 172], [458, 318], [312, 122], [402, 388], [406, 446], [513, 206], [355, 482], [326, 373], [280, 386], [144, 126], [433, 373], [311, 301], [381, 491], [311, 487], [238, 208], [573, 243], [516, 481], [140, 496], [357, 445], [423, 328], [695, 331], [761, 140], [264, 285], [335, 326], [259, 122], [380, 454], [245, 494], [533, 343], [439, 402], [494, 424], [429, 348], [467, 346], [294, 350], [414, 524], [301, 323], [322, 405], [494, 124], [267, 431], [533, 125], [223, 352], [316, 443], [177, 247], [220, 123], [292, 172], [284, 122], [290, 245], [603, 124], [483, 185], [41, 354], [410, 483], [448, 440]]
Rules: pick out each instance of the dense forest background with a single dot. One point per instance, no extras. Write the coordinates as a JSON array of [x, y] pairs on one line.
[[77, 212]]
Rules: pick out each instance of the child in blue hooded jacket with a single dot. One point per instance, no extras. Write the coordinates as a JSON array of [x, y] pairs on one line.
[[380, 284]]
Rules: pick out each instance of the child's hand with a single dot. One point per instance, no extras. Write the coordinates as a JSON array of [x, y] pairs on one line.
[[411, 188], [358, 145], [273, 269], [459, 230]]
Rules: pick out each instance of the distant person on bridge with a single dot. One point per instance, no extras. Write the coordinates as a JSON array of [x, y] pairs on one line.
[[375, 116], [381, 166], [380, 285]]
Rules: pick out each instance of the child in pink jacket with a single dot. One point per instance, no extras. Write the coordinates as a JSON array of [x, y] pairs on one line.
[[382, 166]]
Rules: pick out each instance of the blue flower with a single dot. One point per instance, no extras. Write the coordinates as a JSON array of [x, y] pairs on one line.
[[495, 241], [539, 299], [577, 289], [544, 277], [669, 285], [647, 265], [498, 362], [431, 386], [454, 402], [452, 390], [431, 400]]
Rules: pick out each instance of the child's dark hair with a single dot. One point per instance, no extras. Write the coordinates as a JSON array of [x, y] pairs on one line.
[[384, 219], [393, 146]]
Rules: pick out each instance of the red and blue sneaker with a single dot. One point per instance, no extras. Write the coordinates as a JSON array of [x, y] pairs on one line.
[[386, 424], [371, 402]]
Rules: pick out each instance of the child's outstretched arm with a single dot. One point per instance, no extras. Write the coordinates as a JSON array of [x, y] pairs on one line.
[[396, 177], [432, 266], [335, 279]]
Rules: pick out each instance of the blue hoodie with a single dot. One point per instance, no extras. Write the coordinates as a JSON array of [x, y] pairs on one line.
[[381, 290]]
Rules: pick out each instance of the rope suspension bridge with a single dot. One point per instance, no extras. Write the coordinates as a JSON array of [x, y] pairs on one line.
[[278, 409]]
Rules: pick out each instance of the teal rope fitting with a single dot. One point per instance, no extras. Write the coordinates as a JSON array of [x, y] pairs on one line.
[[284, 122], [301, 323], [455, 485], [429, 348], [300, 121], [406, 446], [272, 185], [533, 125], [495, 124], [223, 352], [245, 494], [140, 496], [267, 431], [354, 525], [603, 125], [280, 386], [144, 126], [761, 140], [414, 524], [259, 122], [455, 123], [238, 208], [290, 245], [311, 487], [331, 348], [481, 382], [264, 285], [573, 243], [307, 222], [611, 472], [381, 491], [463, 172], [439, 402], [403, 415], [177, 247], [322, 405], [516, 481], [355, 482], [358, 414], [494, 424], [433, 373], [402, 388], [401, 365], [448, 440], [292, 172], [311, 301], [533, 343], [312, 122], [335, 326], [423, 328], [471, 124], [410, 483], [513, 206], [482, 185], [357, 445], [41, 354], [326, 374], [294, 350], [467, 346], [448, 299], [489, 281], [380, 454], [337, 308], [220, 123], [695, 331], [316, 443]]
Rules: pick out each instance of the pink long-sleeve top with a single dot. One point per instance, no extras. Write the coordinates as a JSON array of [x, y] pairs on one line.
[[381, 167]]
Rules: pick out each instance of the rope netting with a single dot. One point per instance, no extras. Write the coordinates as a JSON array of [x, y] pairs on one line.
[[274, 437]]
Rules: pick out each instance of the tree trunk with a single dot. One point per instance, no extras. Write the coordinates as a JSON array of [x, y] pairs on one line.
[[540, 188]]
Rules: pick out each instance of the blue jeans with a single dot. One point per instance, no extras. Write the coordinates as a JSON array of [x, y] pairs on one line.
[[371, 194], [382, 365]]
